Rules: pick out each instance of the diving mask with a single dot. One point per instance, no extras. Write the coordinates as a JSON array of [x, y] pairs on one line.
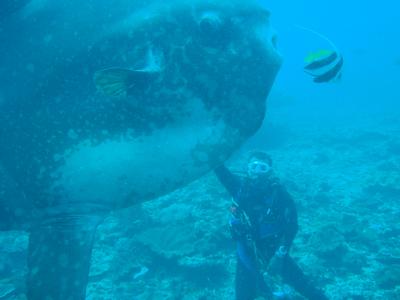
[[256, 168]]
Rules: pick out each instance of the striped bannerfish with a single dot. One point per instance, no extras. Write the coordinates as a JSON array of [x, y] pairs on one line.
[[324, 66]]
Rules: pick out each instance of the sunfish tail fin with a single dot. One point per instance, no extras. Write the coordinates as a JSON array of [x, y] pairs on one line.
[[15, 207], [59, 257]]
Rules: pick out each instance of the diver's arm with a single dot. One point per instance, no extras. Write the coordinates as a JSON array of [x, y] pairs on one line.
[[290, 215], [230, 181]]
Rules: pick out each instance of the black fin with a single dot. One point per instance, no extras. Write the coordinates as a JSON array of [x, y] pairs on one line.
[[15, 208], [322, 62], [59, 257], [331, 74]]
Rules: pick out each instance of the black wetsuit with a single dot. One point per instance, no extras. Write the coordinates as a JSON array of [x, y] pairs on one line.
[[272, 219]]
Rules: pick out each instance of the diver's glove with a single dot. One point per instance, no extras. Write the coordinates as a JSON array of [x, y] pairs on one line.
[[281, 252], [238, 229]]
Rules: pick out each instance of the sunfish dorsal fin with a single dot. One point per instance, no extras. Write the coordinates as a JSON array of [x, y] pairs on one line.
[[154, 61]]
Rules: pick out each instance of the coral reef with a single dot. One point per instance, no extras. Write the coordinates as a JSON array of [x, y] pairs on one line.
[[346, 185]]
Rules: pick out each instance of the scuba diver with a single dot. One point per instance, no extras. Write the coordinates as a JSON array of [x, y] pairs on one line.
[[264, 224]]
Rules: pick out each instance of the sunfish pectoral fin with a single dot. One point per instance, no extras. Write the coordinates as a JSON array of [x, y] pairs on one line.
[[59, 257], [118, 82]]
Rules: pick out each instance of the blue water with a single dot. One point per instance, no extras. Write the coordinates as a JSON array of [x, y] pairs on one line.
[[367, 35]]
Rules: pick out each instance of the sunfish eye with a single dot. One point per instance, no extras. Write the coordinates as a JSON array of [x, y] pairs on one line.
[[210, 23]]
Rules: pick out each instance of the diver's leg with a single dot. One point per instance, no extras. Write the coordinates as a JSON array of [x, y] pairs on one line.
[[249, 282], [245, 282], [294, 276], [59, 257]]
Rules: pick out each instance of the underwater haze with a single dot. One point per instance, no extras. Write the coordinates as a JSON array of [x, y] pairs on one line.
[[116, 113]]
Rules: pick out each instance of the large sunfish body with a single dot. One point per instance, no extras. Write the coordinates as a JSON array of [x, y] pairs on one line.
[[105, 104]]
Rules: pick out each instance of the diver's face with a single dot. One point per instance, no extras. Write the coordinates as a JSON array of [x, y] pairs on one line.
[[257, 169]]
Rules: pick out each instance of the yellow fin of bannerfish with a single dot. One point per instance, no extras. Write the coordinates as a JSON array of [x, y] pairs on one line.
[[317, 55], [112, 82]]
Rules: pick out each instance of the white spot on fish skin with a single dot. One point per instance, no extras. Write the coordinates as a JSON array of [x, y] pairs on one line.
[[143, 270], [34, 271], [19, 212], [47, 39], [63, 260], [41, 173], [57, 157], [30, 68], [72, 134], [33, 7], [77, 283]]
